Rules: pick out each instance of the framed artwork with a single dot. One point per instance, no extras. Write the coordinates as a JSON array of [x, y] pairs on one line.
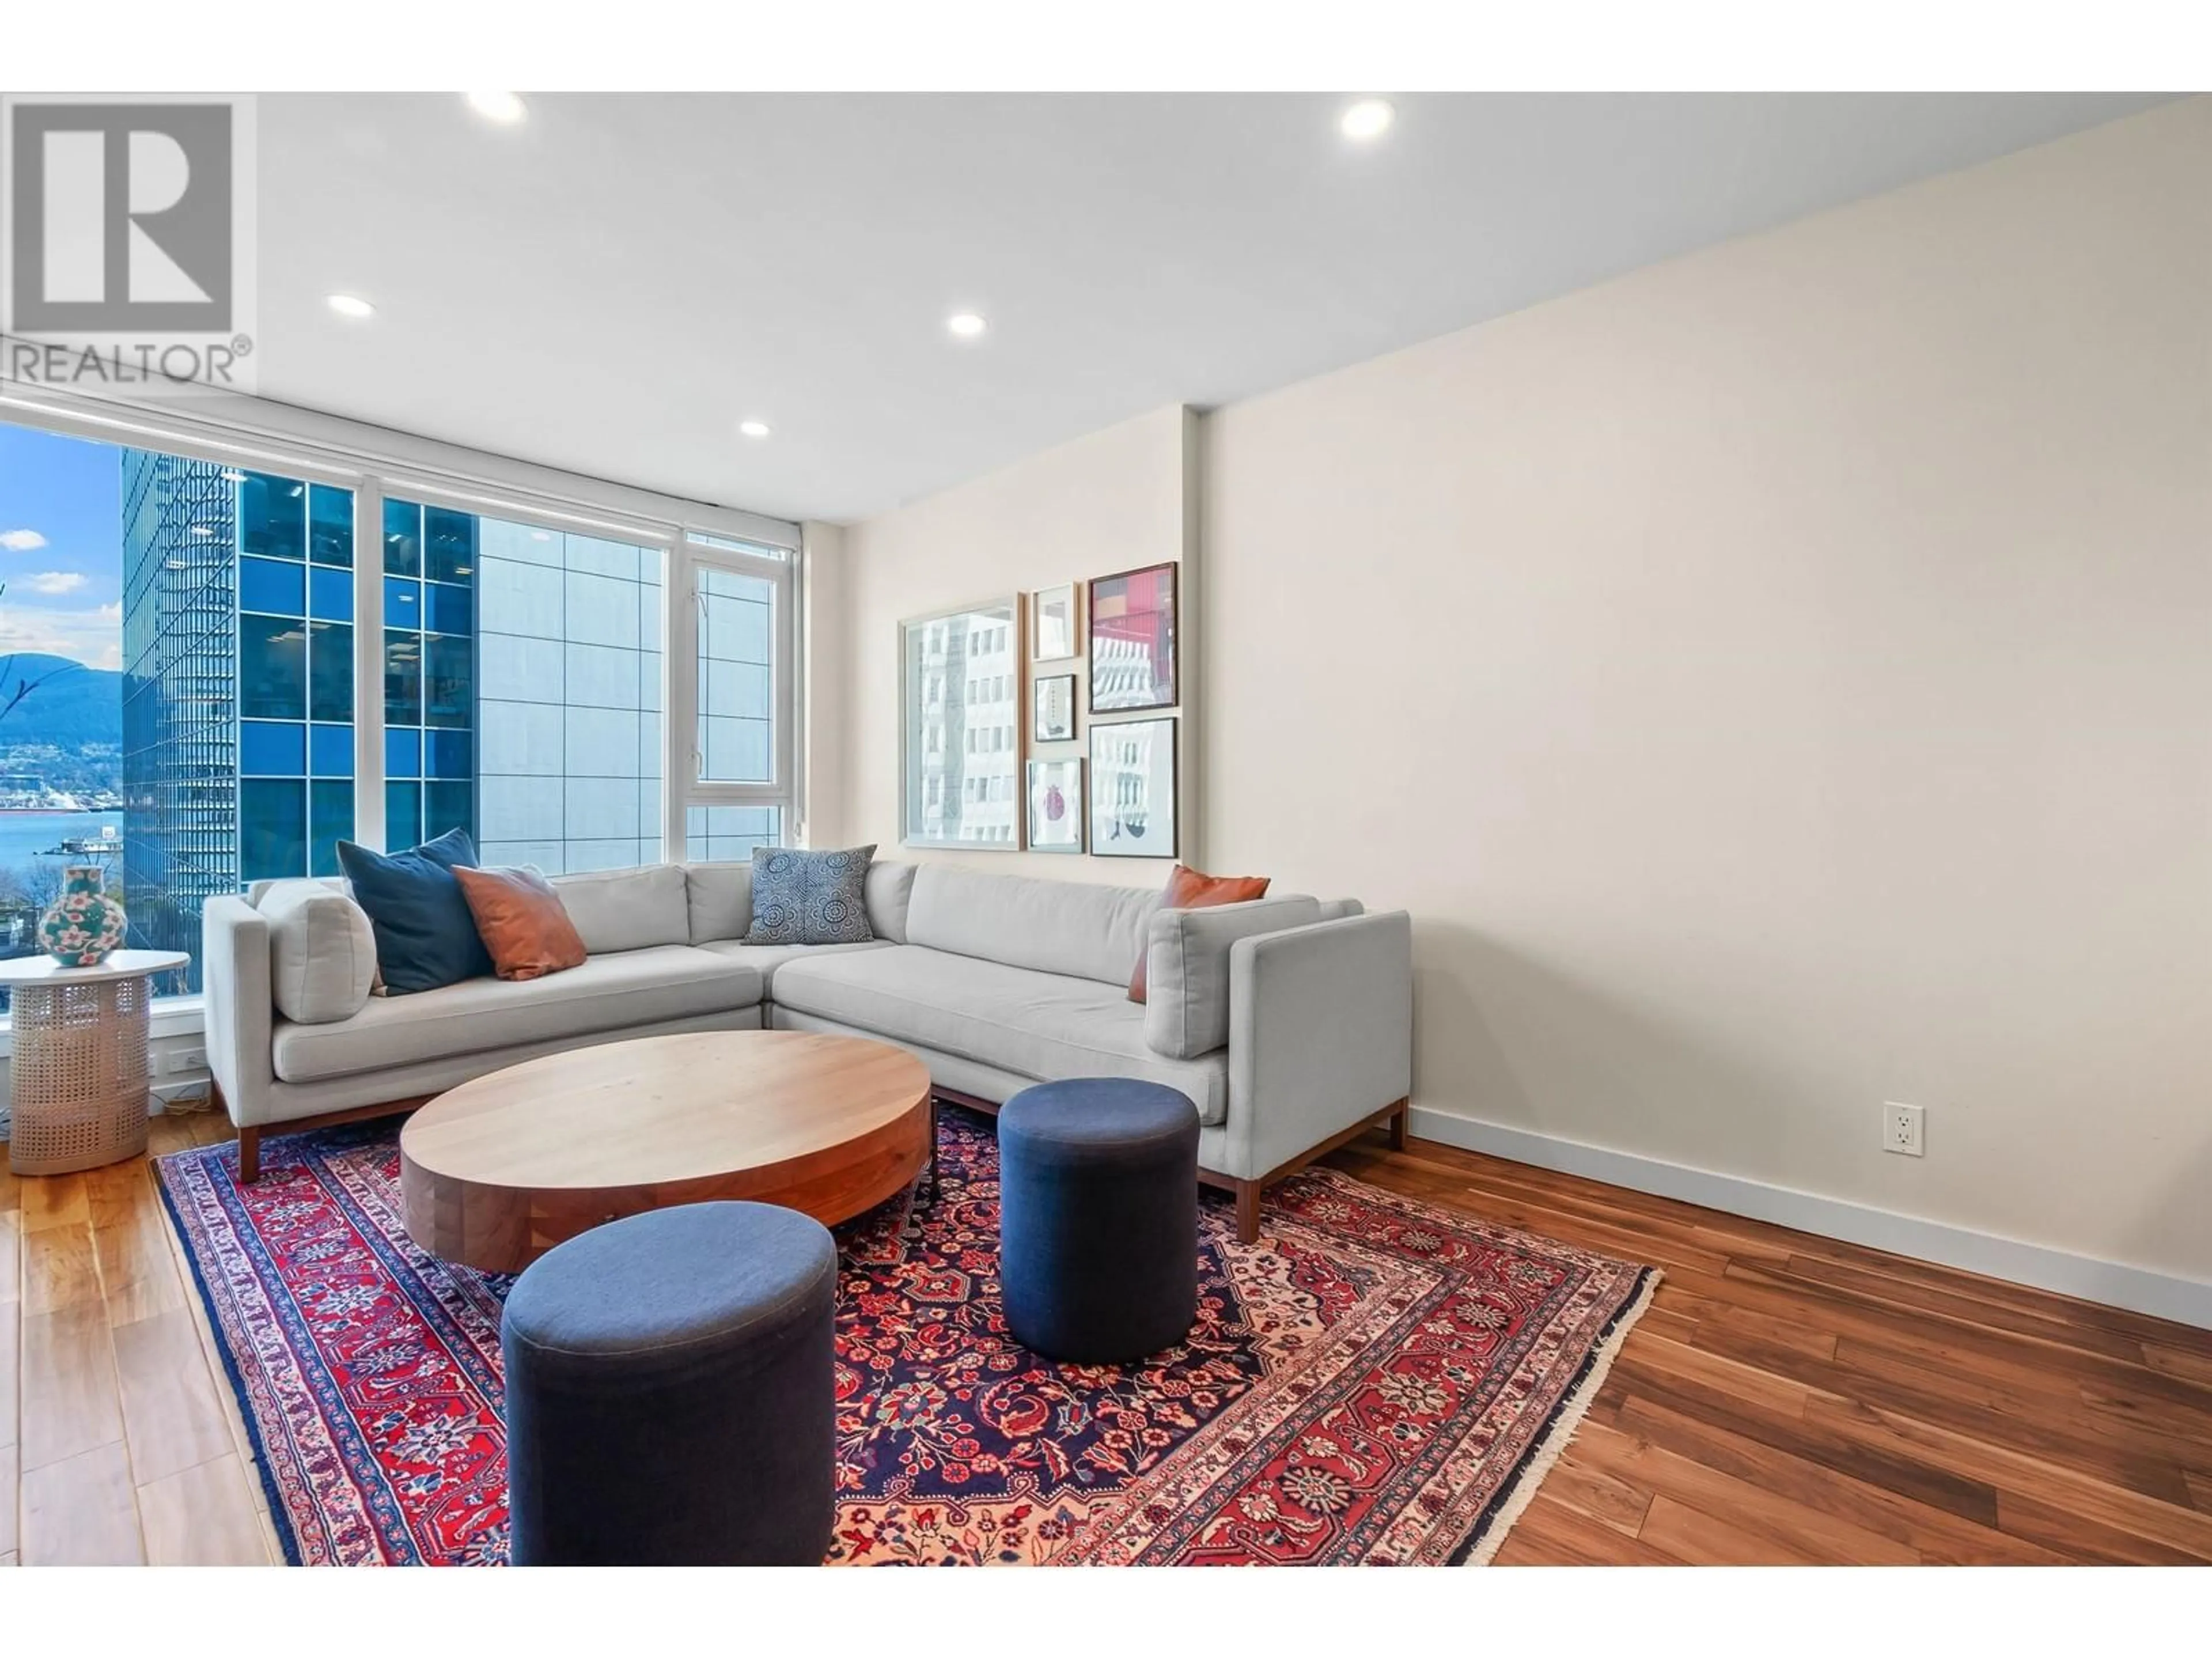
[[1051, 622], [961, 681], [1053, 703], [1056, 805], [1133, 639], [1132, 790]]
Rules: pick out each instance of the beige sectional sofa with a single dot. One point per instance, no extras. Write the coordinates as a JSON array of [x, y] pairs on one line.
[[1287, 1021]]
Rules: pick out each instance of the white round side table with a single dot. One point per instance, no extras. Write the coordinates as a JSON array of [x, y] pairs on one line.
[[78, 1077]]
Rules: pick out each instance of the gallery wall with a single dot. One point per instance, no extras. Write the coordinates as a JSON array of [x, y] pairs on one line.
[[1778, 681], [1111, 502]]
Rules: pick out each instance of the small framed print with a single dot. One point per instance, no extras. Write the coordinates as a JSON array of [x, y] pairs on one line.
[[1133, 639], [1132, 790], [1054, 703], [1056, 805], [1051, 622]]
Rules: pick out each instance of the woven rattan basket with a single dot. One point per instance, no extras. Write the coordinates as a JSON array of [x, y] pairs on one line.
[[79, 1073]]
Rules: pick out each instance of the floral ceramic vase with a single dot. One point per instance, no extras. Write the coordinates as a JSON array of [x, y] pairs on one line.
[[84, 924]]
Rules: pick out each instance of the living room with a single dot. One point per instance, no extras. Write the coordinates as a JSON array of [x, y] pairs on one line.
[[1337, 826]]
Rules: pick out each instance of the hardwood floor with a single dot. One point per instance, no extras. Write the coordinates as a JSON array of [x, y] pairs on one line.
[[1786, 1399], [120, 1440]]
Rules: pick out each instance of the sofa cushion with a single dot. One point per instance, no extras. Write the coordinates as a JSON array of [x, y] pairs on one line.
[[607, 993], [1194, 890], [1045, 1026], [1054, 926], [322, 951], [768, 958], [720, 899], [1187, 1012], [627, 909], [802, 897], [1337, 910], [425, 937], [521, 921], [890, 891]]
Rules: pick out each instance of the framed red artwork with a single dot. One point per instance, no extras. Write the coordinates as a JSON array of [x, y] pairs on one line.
[[1133, 639]]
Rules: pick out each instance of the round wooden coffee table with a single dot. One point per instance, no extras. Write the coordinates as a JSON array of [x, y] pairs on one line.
[[498, 1170]]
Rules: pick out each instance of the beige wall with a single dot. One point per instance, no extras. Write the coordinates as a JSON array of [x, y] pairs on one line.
[[1111, 501], [1778, 681]]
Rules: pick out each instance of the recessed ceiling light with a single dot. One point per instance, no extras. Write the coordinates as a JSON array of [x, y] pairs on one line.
[[504, 108], [754, 429], [349, 305], [965, 324], [1370, 118]]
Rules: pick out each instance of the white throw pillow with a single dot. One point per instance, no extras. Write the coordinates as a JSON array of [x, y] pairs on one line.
[[322, 953]]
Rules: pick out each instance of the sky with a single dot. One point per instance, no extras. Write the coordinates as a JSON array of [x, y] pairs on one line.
[[61, 547]]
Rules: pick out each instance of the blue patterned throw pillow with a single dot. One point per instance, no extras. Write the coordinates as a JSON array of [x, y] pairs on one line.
[[810, 898]]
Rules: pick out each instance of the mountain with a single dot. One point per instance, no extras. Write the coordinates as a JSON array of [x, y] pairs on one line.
[[69, 704]]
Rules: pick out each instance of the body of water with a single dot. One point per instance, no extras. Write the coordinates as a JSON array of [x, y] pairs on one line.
[[26, 837]]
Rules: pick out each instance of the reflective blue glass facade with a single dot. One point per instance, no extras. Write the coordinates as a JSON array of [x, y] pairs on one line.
[[237, 708], [429, 672]]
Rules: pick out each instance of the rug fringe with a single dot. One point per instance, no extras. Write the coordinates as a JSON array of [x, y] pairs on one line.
[[1568, 1419]]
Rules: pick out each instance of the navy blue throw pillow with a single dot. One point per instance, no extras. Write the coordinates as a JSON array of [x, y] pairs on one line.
[[426, 935]]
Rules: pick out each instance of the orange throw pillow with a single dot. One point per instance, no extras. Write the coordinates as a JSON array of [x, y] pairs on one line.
[[1194, 890], [521, 921]]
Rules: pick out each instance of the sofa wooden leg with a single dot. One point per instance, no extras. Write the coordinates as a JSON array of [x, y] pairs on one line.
[[1400, 1123], [249, 1157], [1247, 1212]]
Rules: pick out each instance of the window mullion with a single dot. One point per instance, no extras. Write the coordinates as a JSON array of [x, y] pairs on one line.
[[368, 827]]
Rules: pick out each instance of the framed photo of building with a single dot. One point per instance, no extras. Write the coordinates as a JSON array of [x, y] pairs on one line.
[[1056, 805], [1051, 622], [1051, 703], [1132, 790], [1133, 639], [961, 681]]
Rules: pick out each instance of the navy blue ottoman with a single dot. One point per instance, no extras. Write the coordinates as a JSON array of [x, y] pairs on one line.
[[1098, 1218], [669, 1399]]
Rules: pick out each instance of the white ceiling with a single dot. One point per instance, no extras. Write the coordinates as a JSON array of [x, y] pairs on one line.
[[612, 286]]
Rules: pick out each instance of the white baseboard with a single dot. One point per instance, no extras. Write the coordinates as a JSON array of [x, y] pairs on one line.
[[2165, 1295]]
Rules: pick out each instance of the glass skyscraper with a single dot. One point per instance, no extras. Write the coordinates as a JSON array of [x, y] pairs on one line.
[[237, 708], [220, 656]]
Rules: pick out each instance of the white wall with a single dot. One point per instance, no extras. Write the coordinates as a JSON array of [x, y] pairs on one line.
[[1112, 502], [826, 671], [1777, 682]]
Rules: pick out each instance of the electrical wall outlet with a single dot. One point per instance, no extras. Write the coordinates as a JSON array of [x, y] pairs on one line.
[[1903, 1128], [186, 1060]]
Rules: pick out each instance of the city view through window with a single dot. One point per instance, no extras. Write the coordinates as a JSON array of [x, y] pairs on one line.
[[179, 682]]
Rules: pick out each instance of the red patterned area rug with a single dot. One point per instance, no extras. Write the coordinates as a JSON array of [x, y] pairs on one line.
[[1377, 1380]]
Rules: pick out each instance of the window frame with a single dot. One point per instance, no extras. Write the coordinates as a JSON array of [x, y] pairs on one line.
[[682, 763], [375, 463]]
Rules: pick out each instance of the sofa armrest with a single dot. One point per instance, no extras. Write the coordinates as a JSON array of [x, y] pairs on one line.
[[1187, 969], [235, 995], [1320, 1035]]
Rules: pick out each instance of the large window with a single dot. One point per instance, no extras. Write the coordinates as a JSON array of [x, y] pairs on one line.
[[210, 673], [569, 739], [740, 790]]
